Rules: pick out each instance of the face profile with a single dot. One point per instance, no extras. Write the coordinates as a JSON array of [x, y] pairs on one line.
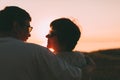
[[24, 31]]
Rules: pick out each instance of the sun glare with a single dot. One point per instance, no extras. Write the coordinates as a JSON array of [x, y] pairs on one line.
[[51, 49], [41, 30]]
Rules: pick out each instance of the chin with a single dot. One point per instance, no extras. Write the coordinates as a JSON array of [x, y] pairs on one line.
[[25, 39], [48, 46]]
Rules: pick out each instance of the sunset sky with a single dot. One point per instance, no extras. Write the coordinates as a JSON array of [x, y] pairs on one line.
[[99, 20]]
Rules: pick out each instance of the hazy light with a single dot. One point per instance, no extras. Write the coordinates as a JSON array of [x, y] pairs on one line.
[[51, 49], [99, 20]]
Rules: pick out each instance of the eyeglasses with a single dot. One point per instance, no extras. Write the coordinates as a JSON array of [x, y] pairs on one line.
[[30, 29]]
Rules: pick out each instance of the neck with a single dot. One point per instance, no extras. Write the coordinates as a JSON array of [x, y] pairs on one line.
[[59, 50], [6, 34]]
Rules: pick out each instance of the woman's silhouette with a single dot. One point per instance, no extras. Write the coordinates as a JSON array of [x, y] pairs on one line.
[[63, 37]]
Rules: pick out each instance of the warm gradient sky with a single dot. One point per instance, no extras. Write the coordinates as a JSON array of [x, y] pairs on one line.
[[99, 20]]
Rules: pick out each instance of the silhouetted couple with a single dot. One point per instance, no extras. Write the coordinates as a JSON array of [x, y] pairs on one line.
[[27, 61]]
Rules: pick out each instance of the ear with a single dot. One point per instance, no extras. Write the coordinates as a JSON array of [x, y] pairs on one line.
[[16, 27], [16, 30]]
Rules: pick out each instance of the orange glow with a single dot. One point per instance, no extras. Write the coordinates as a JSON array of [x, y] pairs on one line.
[[100, 27], [51, 49]]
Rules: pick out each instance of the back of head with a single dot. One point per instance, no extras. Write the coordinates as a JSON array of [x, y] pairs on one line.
[[10, 14], [67, 32]]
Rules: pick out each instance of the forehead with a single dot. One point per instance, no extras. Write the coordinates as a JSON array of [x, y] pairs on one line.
[[51, 29]]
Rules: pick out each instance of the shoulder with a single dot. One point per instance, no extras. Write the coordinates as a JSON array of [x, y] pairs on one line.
[[38, 50], [78, 53], [36, 47]]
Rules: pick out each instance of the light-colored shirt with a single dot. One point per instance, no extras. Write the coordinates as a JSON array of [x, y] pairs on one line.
[[74, 58], [28, 61]]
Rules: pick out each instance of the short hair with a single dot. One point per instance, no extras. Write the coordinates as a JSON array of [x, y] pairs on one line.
[[10, 14], [67, 31]]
